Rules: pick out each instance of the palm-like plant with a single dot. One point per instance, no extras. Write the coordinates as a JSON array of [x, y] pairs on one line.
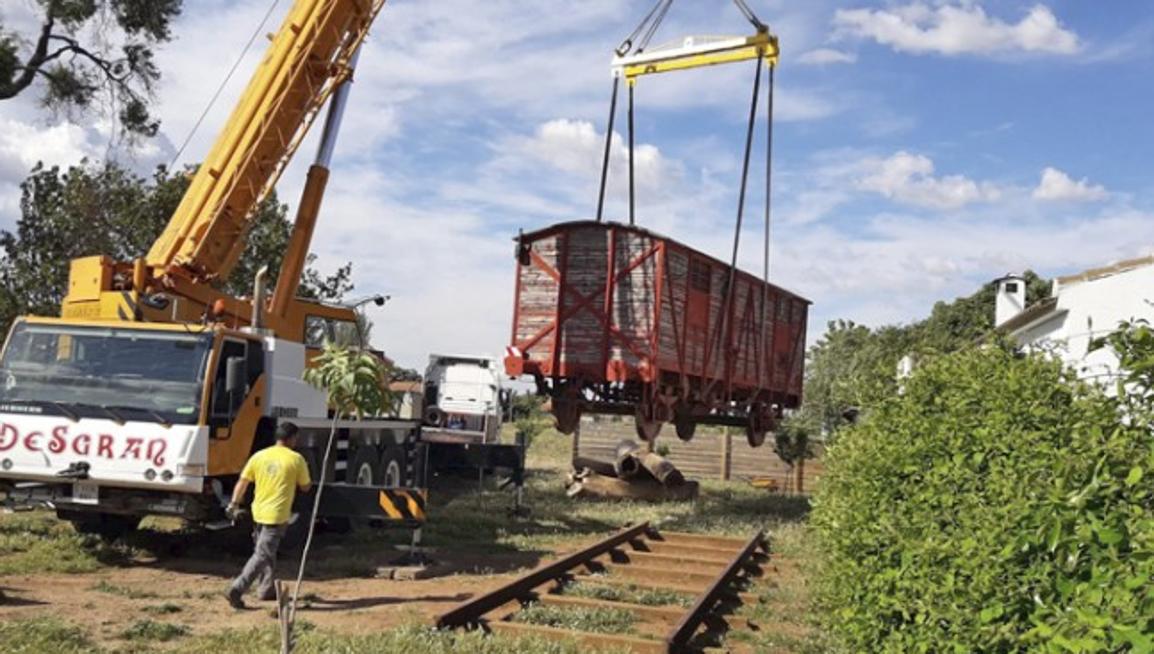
[[355, 382], [353, 379]]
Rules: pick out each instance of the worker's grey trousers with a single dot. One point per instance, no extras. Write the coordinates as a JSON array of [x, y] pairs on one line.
[[260, 565]]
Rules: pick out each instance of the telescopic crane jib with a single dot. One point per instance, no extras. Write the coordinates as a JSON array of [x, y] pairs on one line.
[[154, 388], [309, 61]]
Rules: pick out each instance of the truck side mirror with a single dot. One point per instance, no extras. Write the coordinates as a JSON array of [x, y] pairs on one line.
[[235, 375]]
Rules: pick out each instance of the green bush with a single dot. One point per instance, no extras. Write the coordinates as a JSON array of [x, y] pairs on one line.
[[995, 506]]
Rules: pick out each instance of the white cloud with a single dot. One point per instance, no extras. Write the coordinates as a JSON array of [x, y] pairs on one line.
[[575, 146], [909, 179], [955, 29], [1056, 185], [895, 267], [24, 144], [823, 56]]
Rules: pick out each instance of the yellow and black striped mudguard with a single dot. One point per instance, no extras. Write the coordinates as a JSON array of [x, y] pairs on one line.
[[403, 503], [406, 505]]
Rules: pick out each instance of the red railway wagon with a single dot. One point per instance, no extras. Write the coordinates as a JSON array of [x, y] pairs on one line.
[[612, 318]]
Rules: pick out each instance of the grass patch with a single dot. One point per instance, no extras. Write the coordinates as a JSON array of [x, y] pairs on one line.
[[167, 608], [630, 594], [35, 542], [151, 630], [596, 620], [43, 635], [404, 640], [104, 586], [784, 619]]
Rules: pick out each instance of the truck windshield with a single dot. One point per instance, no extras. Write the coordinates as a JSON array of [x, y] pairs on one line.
[[79, 369]]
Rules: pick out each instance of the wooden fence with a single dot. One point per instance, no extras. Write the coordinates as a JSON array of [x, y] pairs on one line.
[[714, 453]]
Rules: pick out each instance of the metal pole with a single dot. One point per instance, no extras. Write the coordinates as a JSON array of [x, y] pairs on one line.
[[608, 145], [632, 186]]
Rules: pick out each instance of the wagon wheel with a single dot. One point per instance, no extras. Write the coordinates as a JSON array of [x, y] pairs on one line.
[[684, 421], [760, 423], [566, 415], [567, 409], [648, 426]]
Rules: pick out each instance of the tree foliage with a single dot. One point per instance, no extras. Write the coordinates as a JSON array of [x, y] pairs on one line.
[[85, 51], [104, 209], [353, 379], [996, 505], [853, 367]]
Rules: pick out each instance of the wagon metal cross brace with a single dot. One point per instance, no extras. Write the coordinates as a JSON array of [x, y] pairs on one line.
[[584, 301]]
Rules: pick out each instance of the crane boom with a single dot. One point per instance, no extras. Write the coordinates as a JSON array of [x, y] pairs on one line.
[[307, 59]]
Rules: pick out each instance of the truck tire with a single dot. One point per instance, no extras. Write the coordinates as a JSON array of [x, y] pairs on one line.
[[312, 458], [365, 467], [108, 526], [394, 467]]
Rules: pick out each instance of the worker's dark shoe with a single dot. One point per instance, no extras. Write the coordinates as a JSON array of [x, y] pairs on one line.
[[268, 596], [234, 599]]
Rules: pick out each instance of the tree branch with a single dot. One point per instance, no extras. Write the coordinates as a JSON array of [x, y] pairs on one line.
[[34, 63]]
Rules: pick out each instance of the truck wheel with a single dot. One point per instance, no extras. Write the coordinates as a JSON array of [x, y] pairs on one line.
[[313, 460], [393, 468], [365, 468], [108, 526], [313, 457]]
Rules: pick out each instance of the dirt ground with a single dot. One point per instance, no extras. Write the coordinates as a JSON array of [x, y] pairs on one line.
[[171, 575], [106, 602]]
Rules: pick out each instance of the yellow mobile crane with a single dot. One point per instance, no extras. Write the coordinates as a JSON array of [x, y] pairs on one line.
[[152, 389]]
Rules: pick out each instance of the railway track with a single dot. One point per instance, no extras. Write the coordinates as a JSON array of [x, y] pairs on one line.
[[668, 592]]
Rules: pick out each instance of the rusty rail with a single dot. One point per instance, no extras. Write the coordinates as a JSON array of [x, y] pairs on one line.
[[705, 567], [679, 636], [470, 612]]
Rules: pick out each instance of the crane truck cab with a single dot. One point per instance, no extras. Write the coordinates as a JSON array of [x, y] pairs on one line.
[[110, 421], [154, 386]]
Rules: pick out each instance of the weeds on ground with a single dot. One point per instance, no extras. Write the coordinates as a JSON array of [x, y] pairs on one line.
[[596, 620], [35, 542], [405, 640], [154, 631], [39, 635], [104, 586], [162, 609], [629, 594]]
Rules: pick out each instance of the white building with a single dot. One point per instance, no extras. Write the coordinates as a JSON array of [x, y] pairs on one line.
[[1080, 308]]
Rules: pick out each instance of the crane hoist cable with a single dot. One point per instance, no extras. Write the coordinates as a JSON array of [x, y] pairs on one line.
[[649, 26], [223, 83], [634, 59]]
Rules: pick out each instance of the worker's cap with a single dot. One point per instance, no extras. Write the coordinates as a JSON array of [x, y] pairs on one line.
[[286, 430]]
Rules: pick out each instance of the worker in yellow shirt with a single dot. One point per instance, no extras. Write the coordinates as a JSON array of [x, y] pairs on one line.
[[278, 472]]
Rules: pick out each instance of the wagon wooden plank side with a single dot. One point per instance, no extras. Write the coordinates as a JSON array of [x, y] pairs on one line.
[[611, 318]]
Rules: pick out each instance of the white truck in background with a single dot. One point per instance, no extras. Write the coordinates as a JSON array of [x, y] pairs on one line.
[[463, 399], [463, 408]]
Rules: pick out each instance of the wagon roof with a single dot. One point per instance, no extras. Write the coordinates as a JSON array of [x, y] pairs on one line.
[[565, 226]]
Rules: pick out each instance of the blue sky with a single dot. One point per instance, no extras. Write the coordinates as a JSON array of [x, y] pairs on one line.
[[921, 148]]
